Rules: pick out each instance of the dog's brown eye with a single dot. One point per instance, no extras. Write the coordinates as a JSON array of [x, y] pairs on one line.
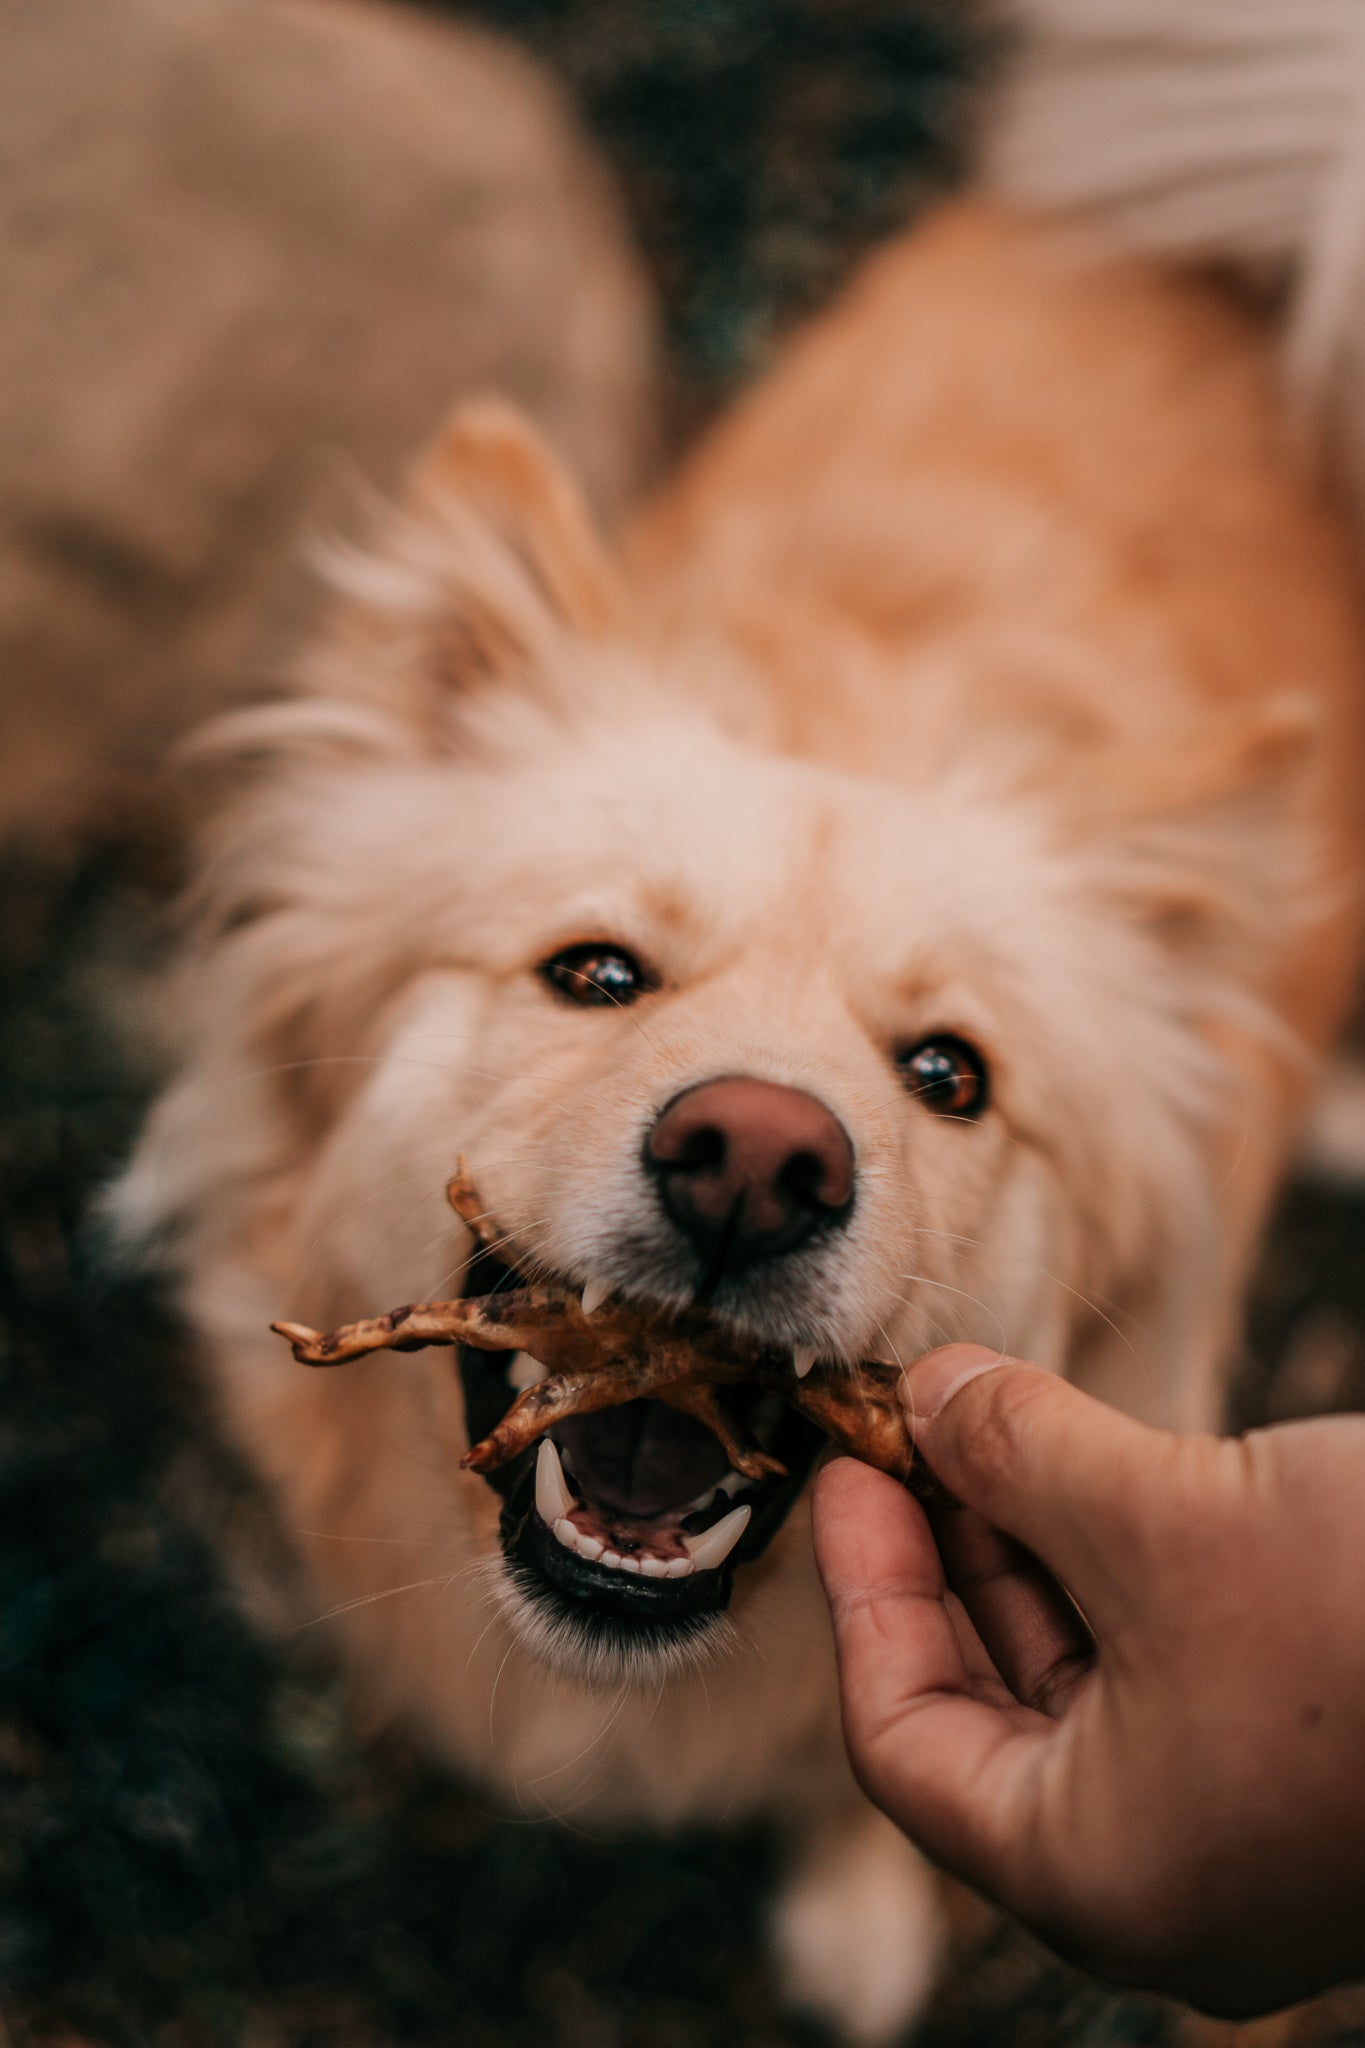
[[596, 973], [946, 1074]]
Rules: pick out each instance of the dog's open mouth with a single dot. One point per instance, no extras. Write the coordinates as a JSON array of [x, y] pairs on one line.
[[640, 1457], [634, 1514]]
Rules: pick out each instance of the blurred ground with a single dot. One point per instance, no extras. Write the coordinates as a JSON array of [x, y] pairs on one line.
[[194, 1849], [250, 253]]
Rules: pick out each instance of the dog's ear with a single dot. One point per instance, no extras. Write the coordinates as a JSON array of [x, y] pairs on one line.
[[489, 463], [489, 566], [1206, 840]]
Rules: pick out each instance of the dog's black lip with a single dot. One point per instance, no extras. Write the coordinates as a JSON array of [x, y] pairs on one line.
[[575, 1582]]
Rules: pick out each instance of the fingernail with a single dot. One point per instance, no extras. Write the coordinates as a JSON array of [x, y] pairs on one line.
[[931, 1382]]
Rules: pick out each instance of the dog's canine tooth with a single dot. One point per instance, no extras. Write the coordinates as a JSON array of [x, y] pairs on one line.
[[525, 1371], [595, 1292], [803, 1358], [714, 1545], [553, 1499]]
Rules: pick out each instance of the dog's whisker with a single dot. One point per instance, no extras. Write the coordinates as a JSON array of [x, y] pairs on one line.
[[949, 1236], [1098, 1305], [973, 1300], [369, 1599], [606, 1728], [502, 1243], [375, 1194], [271, 1072], [493, 1692]]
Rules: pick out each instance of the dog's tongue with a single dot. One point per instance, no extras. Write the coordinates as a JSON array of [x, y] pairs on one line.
[[641, 1459]]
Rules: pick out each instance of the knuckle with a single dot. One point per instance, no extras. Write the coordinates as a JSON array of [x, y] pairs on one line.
[[1192, 1530]]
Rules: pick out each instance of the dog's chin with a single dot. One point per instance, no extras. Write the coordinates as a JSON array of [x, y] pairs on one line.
[[586, 1643], [612, 1579]]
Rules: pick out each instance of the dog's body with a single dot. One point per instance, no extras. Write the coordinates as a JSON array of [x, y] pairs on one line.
[[987, 682]]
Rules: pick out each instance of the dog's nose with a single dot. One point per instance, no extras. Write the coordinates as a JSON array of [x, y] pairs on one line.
[[748, 1169]]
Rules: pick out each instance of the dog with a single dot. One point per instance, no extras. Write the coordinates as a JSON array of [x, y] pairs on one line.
[[897, 896]]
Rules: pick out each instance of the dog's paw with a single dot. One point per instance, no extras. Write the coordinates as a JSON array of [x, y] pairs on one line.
[[858, 1930]]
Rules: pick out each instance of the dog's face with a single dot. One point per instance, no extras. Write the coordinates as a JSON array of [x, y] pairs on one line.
[[859, 1064]]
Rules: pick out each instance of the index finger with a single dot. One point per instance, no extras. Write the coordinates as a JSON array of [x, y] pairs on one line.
[[949, 1757]]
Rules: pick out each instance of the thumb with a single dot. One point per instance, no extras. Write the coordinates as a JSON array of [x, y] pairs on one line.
[[1061, 1472]]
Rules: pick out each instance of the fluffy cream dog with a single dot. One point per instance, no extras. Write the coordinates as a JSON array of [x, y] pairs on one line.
[[902, 902]]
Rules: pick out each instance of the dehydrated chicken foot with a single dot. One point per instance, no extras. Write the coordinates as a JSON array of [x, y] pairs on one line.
[[857, 1409], [618, 1355], [599, 1363]]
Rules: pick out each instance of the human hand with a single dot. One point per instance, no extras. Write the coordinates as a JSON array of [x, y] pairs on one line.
[[1172, 1791]]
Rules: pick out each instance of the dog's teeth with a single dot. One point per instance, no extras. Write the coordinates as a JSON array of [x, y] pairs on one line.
[[595, 1293], [803, 1358], [553, 1499], [731, 1484], [525, 1371], [714, 1545], [593, 1548]]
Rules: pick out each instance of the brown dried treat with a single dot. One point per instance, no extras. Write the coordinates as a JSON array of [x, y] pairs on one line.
[[620, 1354]]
